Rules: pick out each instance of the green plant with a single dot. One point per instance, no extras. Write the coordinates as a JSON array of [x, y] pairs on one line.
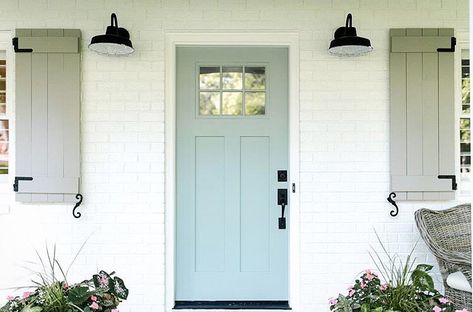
[[407, 288], [102, 293]]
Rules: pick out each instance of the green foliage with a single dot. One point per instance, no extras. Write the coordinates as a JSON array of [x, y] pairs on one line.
[[102, 281], [78, 295], [421, 279], [344, 304], [406, 288], [119, 288], [102, 293], [54, 298], [105, 283]]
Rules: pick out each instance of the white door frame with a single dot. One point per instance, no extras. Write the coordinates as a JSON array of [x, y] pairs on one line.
[[175, 39]]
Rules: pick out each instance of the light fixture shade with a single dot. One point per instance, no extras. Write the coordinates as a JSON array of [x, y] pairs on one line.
[[116, 40], [347, 43]]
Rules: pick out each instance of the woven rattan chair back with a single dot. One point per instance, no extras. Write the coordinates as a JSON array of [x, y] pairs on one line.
[[450, 229], [447, 233]]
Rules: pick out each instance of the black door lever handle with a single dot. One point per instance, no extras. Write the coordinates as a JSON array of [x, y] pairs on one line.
[[282, 201], [282, 220]]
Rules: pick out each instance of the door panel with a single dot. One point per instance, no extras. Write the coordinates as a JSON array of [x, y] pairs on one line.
[[254, 198], [232, 137], [209, 198]]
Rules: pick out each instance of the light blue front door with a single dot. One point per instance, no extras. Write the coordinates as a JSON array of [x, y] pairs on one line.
[[232, 138]]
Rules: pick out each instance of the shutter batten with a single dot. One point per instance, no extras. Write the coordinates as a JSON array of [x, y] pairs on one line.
[[48, 115], [419, 44], [422, 114]]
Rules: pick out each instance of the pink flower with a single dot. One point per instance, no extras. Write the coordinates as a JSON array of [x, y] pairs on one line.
[[115, 310], [65, 286], [351, 291], [363, 285], [332, 301], [383, 287], [93, 298], [437, 309], [443, 300], [26, 294], [463, 310], [369, 275], [10, 298], [94, 306]]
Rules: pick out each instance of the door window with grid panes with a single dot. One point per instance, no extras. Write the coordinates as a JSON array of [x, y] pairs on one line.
[[465, 126], [232, 90], [4, 123]]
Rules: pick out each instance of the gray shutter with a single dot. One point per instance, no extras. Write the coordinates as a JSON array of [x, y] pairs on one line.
[[47, 88], [422, 114]]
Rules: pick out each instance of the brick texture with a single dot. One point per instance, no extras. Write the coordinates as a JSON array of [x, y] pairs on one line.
[[344, 127]]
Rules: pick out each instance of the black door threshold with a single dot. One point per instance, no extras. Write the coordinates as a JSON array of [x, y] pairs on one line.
[[233, 305]]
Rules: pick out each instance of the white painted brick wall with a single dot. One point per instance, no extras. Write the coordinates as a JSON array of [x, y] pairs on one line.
[[344, 139]]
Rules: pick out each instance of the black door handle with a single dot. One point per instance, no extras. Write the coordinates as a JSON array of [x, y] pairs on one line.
[[282, 201]]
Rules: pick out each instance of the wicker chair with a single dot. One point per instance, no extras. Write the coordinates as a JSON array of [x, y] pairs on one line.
[[447, 233]]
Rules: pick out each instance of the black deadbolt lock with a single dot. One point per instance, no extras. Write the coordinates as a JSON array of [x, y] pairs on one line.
[[282, 175]]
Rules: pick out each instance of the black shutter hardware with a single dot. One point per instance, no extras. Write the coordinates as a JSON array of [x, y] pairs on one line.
[[453, 42], [454, 180], [18, 50], [17, 179]]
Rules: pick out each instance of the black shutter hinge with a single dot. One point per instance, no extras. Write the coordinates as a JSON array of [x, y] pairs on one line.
[[453, 43], [17, 179], [454, 180], [18, 50]]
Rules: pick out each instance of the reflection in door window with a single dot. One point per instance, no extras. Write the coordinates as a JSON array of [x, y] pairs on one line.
[[231, 103], [232, 78], [254, 103], [209, 78], [232, 90], [209, 103], [255, 78]]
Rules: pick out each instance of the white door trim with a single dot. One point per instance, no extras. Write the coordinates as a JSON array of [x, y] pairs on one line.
[[175, 39]]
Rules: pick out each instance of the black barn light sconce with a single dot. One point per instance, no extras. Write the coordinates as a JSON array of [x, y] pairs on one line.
[[347, 43], [116, 40]]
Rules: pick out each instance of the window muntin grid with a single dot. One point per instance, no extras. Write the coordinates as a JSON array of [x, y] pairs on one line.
[[232, 90]]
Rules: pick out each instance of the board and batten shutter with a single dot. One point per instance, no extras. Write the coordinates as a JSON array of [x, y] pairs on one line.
[[47, 119], [422, 145]]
